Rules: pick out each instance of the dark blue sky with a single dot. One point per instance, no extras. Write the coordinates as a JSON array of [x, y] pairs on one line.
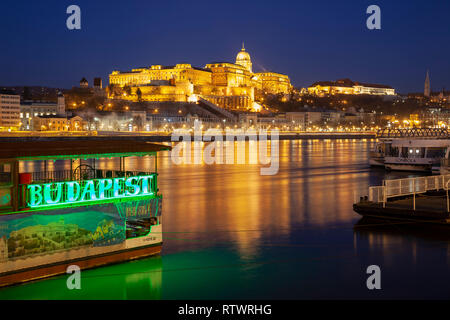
[[308, 40]]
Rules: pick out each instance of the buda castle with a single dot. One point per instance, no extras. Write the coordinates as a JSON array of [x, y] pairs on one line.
[[229, 85]]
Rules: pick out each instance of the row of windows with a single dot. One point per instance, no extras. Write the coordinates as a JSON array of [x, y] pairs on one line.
[[12, 118], [5, 97], [8, 112], [16, 103], [16, 107], [27, 115], [53, 122], [31, 110]]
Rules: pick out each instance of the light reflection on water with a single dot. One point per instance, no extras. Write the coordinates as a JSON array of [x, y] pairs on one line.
[[231, 233]]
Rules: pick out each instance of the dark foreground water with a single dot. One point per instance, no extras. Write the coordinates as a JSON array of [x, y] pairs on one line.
[[230, 233]]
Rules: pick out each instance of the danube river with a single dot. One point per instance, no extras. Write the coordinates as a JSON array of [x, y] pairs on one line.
[[231, 233]]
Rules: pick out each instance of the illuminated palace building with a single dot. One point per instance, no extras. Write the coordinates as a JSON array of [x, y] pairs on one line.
[[228, 85], [347, 86]]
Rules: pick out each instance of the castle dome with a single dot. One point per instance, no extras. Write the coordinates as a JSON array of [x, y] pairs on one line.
[[243, 59], [243, 55]]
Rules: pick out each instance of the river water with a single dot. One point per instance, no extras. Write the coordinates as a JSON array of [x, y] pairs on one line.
[[231, 233]]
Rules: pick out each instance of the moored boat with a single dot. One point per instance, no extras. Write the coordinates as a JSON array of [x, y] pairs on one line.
[[87, 216], [410, 150], [415, 154]]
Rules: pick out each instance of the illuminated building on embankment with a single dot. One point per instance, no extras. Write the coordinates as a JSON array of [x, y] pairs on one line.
[[347, 86]]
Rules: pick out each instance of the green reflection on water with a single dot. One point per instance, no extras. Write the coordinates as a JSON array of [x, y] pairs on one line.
[[205, 274], [140, 279]]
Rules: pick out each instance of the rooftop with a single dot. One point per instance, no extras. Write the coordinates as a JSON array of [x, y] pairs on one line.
[[68, 149], [140, 70], [7, 91], [348, 83]]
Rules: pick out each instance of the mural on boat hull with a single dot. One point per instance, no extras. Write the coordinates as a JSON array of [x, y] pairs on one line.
[[5, 197], [33, 233]]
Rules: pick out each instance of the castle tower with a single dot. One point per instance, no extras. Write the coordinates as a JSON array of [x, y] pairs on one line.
[[243, 59], [61, 106], [427, 89], [98, 83], [84, 83]]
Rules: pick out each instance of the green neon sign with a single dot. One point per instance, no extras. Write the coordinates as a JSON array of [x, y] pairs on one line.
[[72, 192]]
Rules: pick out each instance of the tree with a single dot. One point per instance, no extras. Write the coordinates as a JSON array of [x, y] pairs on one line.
[[127, 90], [139, 94], [111, 88], [137, 121]]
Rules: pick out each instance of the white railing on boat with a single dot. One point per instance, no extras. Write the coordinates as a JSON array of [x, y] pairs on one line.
[[408, 187]]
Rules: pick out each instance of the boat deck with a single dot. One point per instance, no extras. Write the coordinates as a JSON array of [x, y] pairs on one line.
[[428, 207]]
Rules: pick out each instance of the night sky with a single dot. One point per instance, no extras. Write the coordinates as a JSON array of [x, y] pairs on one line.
[[307, 40]]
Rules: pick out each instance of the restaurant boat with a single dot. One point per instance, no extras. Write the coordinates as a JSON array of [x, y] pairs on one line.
[[86, 216], [410, 149]]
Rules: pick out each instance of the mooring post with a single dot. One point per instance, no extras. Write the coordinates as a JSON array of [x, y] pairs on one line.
[[446, 190], [447, 200]]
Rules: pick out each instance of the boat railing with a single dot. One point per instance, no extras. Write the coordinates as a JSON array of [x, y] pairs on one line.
[[376, 194], [407, 187]]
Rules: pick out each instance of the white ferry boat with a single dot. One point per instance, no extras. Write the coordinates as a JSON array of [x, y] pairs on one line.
[[415, 155], [410, 149]]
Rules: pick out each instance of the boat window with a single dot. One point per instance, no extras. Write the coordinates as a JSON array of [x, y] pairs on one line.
[[5, 174], [140, 227], [393, 151], [404, 153], [436, 152], [418, 152], [413, 152], [380, 148]]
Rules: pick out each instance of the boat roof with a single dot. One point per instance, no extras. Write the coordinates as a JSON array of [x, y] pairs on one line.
[[433, 133], [76, 149], [420, 143]]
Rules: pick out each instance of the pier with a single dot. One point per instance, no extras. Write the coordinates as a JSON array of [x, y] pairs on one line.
[[421, 198]]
